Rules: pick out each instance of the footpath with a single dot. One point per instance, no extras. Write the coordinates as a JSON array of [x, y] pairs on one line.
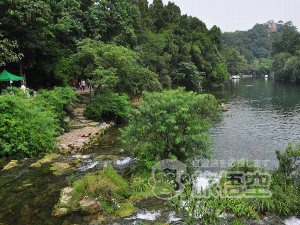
[[82, 129]]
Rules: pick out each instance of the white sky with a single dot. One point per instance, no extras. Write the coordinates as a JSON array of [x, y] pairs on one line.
[[232, 15]]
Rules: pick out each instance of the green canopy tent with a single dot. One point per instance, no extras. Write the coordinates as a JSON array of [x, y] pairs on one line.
[[6, 76]]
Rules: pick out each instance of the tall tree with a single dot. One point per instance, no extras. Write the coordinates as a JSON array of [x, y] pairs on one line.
[[8, 51], [235, 62], [289, 42], [115, 20]]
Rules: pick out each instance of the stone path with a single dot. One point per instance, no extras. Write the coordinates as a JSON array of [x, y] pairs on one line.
[[74, 140]]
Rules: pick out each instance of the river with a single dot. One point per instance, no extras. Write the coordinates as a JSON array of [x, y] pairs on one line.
[[263, 117]]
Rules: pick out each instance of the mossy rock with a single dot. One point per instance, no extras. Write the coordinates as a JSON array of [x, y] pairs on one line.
[[59, 212], [45, 159], [126, 209], [60, 168], [11, 164]]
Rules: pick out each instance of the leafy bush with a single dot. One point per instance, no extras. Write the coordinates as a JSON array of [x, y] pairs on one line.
[[108, 106], [289, 160], [173, 124], [58, 101], [27, 128]]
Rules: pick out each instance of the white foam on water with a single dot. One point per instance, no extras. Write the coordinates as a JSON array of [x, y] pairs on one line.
[[173, 218], [82, 156], [145, 215], [88, 166], [123, 161], [292, 221]]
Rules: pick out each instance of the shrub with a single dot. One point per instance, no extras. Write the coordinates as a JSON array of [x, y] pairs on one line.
[[58, 101], [289, 160], [173, 124], [27, 128], [108, 106]]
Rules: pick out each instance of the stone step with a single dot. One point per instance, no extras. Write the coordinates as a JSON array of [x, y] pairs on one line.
[[86, 121], [81, 117]]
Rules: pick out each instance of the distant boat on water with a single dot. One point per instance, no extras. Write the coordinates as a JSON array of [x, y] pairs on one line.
[[235, 77], [266, 76]]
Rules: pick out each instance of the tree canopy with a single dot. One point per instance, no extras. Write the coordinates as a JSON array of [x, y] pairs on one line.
[[172, 124], [156, 38]]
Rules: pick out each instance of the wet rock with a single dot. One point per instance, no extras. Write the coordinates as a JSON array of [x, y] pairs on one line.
[[63, 207], [60, 168], [11, 164], [89, 206], [45, 159], [66, 197]]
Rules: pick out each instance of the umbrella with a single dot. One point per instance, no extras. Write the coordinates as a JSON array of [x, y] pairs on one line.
[[6, 76]]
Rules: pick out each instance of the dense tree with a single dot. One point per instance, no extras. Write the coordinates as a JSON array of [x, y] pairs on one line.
[[113, 21], [115, 66], [235, 62], [8, 52], [173, 124], [188, 76], [292, 68], [288, 42], [279, 63]]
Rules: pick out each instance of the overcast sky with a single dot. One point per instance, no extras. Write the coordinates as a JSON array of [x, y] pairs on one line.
[[232, 15]]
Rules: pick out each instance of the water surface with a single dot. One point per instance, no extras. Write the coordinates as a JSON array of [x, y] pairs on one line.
[[263, 117]]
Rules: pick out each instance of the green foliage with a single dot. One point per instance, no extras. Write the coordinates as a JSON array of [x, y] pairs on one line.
[[200, 207], [208, 210], [173, 124], [108, 187], [288, 41], [49, 32], [65, 71], [8, 54], [292, 68], [284, 200], [235, 62], [27, 128], [108, 107], [60, 101], [289, 160], [30, 125], [115, 66], [279, 64], [259, 44], [16, 91], [188, 76]]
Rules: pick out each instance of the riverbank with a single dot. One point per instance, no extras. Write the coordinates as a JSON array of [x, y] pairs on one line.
[[83, 130]]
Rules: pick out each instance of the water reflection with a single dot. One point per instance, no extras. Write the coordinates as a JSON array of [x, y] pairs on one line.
[[263, 118]]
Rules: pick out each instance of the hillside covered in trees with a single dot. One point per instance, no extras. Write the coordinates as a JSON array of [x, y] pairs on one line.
[[134, 45], [266, 48], [129, 45]]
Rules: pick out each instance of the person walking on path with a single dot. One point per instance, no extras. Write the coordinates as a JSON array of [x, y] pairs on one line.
[[83, 85], [80, 85], [88, 83]]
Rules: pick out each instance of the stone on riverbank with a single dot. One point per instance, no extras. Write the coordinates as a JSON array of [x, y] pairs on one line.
[[75, 141], [11, 164]]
